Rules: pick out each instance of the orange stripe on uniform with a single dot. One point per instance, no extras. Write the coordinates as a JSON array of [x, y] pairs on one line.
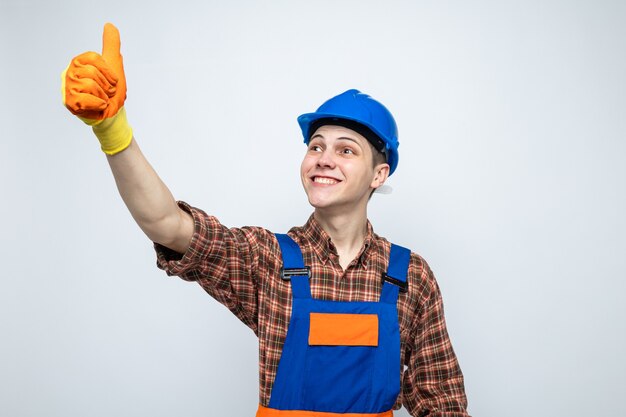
[[270, 412], [330, 329]]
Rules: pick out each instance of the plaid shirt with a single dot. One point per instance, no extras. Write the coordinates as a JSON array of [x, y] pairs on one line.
[[239, 267]]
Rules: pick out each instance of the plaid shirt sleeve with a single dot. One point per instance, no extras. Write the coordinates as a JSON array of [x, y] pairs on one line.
[[222, 260], [432, 383]]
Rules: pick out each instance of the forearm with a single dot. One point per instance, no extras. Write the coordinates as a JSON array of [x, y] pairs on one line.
[[149, 200]]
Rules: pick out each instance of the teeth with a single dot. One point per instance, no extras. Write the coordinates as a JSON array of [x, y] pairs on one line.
[[322, 180]]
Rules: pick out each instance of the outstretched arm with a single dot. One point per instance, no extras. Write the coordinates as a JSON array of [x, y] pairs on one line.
[[149, 200], [94, 89]]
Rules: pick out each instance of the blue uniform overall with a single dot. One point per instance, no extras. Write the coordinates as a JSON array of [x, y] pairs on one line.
[[339, 358]]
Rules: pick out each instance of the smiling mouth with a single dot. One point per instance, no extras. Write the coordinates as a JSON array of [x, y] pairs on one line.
[[325, 180]]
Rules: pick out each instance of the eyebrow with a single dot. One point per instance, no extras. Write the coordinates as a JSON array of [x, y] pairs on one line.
[[317, 135]]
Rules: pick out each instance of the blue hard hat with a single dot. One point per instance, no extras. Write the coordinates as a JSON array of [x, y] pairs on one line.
[[361, 113]]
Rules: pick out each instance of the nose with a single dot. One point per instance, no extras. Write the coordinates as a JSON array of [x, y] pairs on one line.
[[326, 159]]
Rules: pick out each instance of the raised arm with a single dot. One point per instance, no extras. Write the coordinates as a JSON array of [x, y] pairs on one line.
[[94, 89]]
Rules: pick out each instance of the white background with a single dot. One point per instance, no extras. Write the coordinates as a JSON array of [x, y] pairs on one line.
[[511, 184]]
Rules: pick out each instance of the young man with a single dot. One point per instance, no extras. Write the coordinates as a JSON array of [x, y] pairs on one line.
[[348, 323]]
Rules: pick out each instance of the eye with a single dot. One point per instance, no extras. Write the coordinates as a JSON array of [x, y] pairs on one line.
[[315, 148], [347, 151]]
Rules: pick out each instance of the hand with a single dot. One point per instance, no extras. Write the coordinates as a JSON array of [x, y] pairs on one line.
[[94, 89]]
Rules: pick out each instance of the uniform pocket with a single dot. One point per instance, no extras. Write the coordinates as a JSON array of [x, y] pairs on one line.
[[340, 357], [330, 329]]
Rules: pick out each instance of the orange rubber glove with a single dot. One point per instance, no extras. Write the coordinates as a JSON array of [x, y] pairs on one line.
[[94, 89]]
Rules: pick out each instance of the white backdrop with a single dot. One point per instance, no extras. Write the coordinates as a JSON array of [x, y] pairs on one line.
[[511, 184]]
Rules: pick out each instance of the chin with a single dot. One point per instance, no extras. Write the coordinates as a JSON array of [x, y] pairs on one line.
[[319, 202], [316, 203]]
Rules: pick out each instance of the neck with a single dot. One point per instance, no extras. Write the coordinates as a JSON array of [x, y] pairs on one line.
[[347, 231]]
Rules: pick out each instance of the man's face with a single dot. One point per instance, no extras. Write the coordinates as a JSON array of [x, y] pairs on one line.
[[337, 171]]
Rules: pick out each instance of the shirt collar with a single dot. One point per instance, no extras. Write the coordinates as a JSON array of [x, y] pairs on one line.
[[323, 246]]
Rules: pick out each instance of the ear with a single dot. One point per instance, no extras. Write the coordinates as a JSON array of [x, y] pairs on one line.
[[381, 173]]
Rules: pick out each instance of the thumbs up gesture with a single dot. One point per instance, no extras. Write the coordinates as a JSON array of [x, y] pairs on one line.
[[94, 89]]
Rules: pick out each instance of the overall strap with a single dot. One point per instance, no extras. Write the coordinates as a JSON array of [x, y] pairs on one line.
[[395, 279], [293, 267]]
